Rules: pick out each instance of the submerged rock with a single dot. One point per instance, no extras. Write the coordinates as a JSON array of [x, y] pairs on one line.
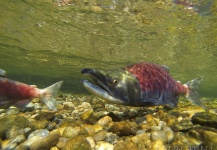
[[13, 132], [170, 120], [7, 122], [181, 140], [104, 121], [13, 143], [127, 128], [104, 146], [40, 124], [206, 134], [158, 145], [99, 136], [128, 145], [184, 124], [12, 111], [142, 140], [34, 137], [78, 142], [169, 132], [205, 119], [122, 128], [45, 116], [71, 132], [159, 135], [46, 143], [62, 142], [84, 110]]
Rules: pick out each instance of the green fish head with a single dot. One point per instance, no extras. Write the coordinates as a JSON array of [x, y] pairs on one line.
[[116, 86]]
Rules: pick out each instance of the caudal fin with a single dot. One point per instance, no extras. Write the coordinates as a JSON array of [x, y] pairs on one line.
[[48, 95], [192, 94]]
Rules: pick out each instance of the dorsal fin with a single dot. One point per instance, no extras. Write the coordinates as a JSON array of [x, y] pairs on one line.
[[2, 73], [166, 68]]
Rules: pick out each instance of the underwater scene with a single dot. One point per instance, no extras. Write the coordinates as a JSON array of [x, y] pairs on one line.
[[108, 75]]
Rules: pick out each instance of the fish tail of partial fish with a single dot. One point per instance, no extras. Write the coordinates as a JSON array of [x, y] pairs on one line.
[[192, 91], [48, 95]]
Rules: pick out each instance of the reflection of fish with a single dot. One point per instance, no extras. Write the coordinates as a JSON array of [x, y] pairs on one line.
[[20, 94], [201, 7], [142, 84]]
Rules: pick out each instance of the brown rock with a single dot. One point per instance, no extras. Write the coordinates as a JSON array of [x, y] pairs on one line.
[[121, 128], [41, 124], [126, 146], [170, 120], [7, 122], [104, 121], [45, 115], [78, 142], [160, 114], [46, 143], [149, 117]]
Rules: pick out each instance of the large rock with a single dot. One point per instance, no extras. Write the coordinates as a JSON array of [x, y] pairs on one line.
[[46, 143], [84, 110], [205, 119], [101, 145], [184, 125], [183, 141], [159, 135], [206, 134], [71, 132], [78, 142], [45, 115], [142, 140], [40, 124], [7, 122], [170, 120], [35, 136], [122, 128]]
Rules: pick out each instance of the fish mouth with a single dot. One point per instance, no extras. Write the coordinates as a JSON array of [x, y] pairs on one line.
[[99, 87]]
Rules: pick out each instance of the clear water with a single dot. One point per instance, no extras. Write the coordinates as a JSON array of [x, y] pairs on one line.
[[42, 43]]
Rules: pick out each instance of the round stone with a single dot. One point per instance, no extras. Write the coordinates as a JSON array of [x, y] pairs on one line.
[[159, 135]]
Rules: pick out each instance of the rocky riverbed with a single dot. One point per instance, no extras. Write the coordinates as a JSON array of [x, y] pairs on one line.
[[87, 122]]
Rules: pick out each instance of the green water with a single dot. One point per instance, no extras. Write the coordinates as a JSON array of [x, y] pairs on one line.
[[41, 43]]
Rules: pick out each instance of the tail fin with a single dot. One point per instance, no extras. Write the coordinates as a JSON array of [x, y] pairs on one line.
[[48, 95], [192, 94]]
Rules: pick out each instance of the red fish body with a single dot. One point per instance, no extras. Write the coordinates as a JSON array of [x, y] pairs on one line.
[[141, 84], [20, 94], [156, 84], [15, 90]]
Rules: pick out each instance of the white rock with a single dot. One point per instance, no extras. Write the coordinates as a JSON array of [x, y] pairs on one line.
[[159, 135], [71, 132], [169, 132], [101, 145], [158, 145], [35, 136], [91, 141], [19, 139], [39, 133], [104, 120], [156, 128], [162, 124]]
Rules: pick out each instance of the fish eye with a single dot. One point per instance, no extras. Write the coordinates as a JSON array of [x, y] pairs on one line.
[[115, 81]]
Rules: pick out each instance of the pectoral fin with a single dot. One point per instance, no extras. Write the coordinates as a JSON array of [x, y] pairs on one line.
[[21, 105]]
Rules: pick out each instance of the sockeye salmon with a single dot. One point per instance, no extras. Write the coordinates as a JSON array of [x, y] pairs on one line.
[[141, 84], [20, 94]]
